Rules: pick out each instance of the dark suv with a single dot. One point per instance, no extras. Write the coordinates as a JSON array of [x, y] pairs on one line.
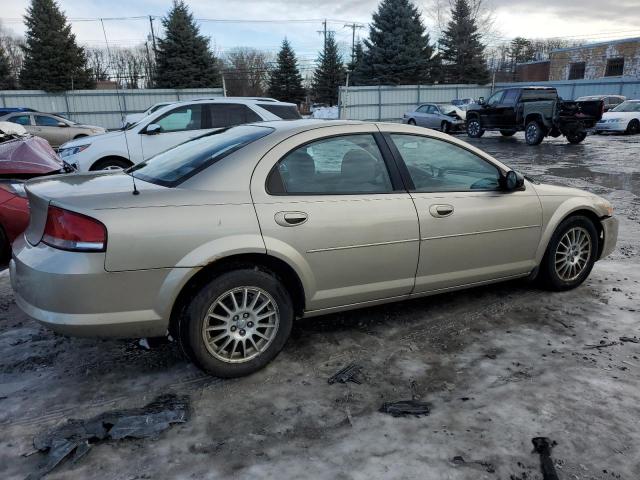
[[538, 111]]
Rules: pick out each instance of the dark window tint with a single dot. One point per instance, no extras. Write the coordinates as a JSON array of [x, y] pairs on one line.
[[180, 163], [43, 121], [186, 117], [510, 97], [231, 114], [438, 166], [21, 120], [338, 165], [615, 67], [576, 71], [285, 112]]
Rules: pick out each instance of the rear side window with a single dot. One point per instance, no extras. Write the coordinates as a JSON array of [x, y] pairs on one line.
[[285, 112], [510, 97], [348, 164], [43, 121], [176, 165], [21, 120], [231, 114]]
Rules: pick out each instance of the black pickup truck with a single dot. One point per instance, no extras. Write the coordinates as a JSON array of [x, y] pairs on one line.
[[538, 111]]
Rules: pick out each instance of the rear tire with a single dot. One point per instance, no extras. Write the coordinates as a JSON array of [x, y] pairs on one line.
[[235, 341], [570, 254], [111, 163], [507, 133], [533, 133], [633, 128], [576, 138], [474, 128], [5, 248]]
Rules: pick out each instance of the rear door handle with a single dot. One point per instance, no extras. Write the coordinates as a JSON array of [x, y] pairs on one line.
[[290, 219], [441, 211]]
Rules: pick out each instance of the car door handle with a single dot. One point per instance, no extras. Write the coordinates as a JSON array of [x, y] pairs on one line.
[[441, 211], [290, 219]]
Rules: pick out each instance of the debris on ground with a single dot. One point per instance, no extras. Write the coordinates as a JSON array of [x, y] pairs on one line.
[[633, 339], [406, 408], [347, 374], [75, 438], [460, 461], [543, 446], [602, 344]]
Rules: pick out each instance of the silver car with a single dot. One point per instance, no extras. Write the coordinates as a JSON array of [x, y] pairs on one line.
[[444, 117], [224, 240]]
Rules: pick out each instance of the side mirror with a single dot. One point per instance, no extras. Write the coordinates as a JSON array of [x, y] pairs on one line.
[[511, 181], [152, 129], [481, 101], [62, 124]]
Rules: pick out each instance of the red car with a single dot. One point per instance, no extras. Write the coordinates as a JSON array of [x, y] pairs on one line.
[[21, 158]]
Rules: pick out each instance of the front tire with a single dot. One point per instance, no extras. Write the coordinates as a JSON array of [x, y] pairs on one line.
[[474, 128], [533, 133], [445, 127], [633, 128], [570, 255], [237, 323], [576, 138]]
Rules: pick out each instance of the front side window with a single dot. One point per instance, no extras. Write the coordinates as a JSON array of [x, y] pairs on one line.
[[187, 117], [438, 166], [231, 114], [496, 98], [21, 120], [339, 165], [176, 165], [43, 121]]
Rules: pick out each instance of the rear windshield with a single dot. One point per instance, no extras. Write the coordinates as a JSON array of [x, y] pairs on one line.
[[176, 165], [285, 112]]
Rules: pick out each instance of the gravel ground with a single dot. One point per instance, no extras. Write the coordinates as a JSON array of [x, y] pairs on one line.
[[499, 365]]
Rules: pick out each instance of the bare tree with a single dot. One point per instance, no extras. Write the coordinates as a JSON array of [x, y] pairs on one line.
[[98, 61], [12, 47], [246, 72]]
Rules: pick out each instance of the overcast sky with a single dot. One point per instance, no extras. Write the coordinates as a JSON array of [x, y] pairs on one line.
[[578, 19]]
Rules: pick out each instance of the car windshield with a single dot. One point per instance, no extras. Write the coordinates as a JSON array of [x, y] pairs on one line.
[[627, 107], [176, 165], [447, 108]]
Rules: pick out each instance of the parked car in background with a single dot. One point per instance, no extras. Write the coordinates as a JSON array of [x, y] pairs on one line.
[[624, 118], [132, 118], [236, 233], [460, 102], [167, 127], [22, 156], [5, 110], [446, 118], [538, 111], [53, 128], [609, 101]]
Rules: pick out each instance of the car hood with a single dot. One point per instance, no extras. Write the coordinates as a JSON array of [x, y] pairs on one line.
[[620, 116], [28, 156], [103, 137], [545, 189]]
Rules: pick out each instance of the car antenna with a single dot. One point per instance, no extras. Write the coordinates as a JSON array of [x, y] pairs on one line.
[[135, 189]]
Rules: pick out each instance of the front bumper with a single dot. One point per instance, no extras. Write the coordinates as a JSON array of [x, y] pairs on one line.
[[610, 127], [610, 230], [71, 293]]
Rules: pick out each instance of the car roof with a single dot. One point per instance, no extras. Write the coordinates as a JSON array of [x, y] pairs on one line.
[[242, 100]]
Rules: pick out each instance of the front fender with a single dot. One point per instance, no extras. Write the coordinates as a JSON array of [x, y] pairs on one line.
[[564, 209]]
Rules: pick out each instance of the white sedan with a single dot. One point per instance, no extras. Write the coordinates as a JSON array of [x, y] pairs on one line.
[[624, 118]]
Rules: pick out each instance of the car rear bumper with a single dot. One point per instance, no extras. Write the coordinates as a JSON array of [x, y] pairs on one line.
[[610, 227], [71, 293]]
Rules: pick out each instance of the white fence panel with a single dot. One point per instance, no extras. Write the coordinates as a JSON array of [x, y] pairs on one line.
[[105, 108]]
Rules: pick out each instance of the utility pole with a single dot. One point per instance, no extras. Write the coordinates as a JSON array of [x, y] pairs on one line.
[[324, 33], [153, 35], [353, 27]]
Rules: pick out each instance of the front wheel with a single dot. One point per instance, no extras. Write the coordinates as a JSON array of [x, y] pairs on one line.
[[533, 133], [570, 254], [633, 128], [474, 128], [576, 138], [445, 127], [237, 323]]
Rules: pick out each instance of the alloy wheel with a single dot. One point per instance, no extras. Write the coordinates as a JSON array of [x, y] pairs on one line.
[[532, 132], [573, 254], [474, 127], [240, 324]]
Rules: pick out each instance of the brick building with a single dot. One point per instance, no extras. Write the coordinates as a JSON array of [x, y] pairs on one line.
[[618, 58]]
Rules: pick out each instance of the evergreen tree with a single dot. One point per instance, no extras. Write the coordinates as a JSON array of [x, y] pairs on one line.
[[330, 74], [285, 81], [357, 70], [52, 59], [398, 49], [183, 59], [461, 49], [6, 79]]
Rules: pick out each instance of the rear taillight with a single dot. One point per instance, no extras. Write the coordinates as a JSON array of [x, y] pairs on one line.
[[73, 231]]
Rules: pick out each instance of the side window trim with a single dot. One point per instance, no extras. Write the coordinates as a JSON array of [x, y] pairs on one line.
[[406, 176], [275, 186]]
